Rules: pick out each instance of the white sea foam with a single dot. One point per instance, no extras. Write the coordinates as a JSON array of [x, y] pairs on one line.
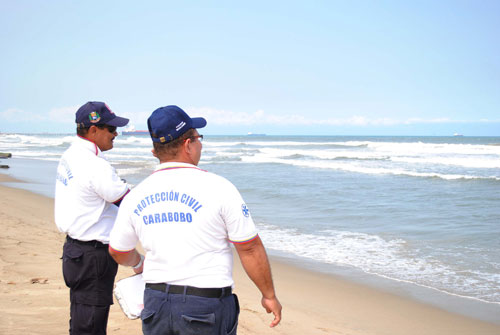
[[140, 140], [461, 155], [388, 258], [46, 156], [333, 165], [434, 148], [131, 150], [415, 159], [19, 140], [322, 154], [129, 171], [469, 162], [284, 143]]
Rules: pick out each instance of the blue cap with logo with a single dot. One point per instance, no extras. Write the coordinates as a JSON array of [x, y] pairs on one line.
[[170, 122], [95, 113]]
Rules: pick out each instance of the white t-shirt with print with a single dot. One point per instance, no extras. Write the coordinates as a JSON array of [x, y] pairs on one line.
[[86, 187], [185, 218]]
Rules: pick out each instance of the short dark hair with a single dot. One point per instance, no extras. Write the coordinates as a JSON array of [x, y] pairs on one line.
[[82, 131], [170, 149]]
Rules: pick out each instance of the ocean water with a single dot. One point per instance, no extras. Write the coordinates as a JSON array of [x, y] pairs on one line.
[[418, 215]]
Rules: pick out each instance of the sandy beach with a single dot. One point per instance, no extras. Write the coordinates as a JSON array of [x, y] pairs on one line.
[[34, 299]]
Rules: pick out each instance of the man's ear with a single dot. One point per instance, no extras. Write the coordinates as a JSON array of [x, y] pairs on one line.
[[153, 151], [91, 133], [186, 145]]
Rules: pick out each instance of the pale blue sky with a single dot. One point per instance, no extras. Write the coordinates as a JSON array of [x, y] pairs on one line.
[[275, 67]]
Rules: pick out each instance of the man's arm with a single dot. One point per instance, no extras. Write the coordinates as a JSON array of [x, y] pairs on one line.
[[128, 258], [256, 264], [119, 201]]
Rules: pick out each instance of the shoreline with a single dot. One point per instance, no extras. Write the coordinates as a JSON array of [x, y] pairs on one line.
[[36, 301], [429, 296], [37, 176]]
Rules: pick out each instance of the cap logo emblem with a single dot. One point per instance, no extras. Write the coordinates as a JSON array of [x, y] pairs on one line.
[[94, 117], [180, 125]]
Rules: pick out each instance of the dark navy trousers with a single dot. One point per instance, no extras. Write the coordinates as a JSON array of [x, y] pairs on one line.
[[181, 314], [89, 271]]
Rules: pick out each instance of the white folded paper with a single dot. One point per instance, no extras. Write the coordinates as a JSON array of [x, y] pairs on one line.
[[130, 295]]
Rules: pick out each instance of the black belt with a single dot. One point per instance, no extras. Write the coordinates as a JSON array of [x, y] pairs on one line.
[[190, 290], [93, 243]]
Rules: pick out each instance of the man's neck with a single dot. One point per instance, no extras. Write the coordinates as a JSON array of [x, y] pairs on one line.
[[177, 160]]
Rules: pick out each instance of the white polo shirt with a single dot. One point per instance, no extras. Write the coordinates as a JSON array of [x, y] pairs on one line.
[[185, 219], [86, 187]]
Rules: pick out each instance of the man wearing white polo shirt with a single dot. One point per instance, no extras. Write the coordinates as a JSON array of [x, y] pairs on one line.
[[186, 218], [88, 193]]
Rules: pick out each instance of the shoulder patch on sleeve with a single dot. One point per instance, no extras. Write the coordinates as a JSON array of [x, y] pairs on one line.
[[245, 210]]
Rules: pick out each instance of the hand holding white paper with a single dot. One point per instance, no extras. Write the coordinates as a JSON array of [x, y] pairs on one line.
[[130, 295]]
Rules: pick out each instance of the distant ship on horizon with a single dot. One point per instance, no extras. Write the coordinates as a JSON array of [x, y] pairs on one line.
[[132, 131], [253, 134]]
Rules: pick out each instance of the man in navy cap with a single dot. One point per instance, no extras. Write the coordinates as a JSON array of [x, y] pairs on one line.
[[88, 193], [186, 220]]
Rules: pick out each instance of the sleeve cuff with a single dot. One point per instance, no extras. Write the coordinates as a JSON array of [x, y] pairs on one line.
[[245, 240]]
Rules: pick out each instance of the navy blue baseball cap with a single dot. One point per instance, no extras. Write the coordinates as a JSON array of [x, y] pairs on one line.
[[95, 113], [170, 122]]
